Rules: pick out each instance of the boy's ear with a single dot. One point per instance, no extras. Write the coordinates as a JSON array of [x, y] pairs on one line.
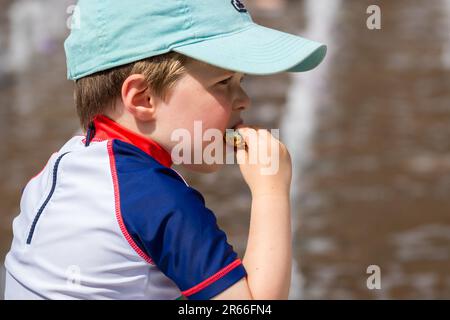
[[137, 97]]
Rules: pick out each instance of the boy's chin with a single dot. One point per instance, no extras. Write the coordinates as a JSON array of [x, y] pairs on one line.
[[203, 168]]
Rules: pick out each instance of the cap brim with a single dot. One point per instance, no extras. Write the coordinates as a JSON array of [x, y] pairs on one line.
[[257, 50]]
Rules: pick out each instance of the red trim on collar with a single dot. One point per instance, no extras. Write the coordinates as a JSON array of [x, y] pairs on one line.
[[107, 129]]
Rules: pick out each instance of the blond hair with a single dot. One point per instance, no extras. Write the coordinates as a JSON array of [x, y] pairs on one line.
[[95, 94]]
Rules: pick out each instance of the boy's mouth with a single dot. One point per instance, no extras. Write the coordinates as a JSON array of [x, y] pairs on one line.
[[239, 122]]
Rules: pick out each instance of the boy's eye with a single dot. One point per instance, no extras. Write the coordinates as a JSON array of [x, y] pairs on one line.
[[226, 81]]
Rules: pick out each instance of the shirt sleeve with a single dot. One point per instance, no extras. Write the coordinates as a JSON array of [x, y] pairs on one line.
[[181, 236]]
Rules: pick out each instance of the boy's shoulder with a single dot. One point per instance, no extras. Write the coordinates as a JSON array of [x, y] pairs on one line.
[[133, 170], [141, 174]]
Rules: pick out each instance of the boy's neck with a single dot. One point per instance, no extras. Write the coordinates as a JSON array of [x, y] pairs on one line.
[[129, 122], [128, 131]]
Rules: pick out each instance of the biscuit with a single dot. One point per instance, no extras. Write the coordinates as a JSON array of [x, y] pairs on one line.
[[234, 139]]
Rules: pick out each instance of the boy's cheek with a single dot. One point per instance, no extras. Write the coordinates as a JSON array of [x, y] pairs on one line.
[[218, 120]]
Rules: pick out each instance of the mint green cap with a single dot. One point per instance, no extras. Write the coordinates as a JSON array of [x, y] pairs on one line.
[[110, 33]]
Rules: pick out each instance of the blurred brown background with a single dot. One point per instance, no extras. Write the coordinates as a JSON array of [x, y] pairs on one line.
[[369, 132]]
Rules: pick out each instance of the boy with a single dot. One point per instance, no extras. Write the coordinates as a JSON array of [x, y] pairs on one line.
[[108, 218]]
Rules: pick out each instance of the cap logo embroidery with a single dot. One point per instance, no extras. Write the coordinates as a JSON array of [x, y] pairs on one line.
[[238, 5]]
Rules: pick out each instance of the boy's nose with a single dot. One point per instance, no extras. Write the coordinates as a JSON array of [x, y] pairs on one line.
[[242, 101]]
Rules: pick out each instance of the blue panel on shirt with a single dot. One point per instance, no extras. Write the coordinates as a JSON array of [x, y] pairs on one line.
[[169, 221]]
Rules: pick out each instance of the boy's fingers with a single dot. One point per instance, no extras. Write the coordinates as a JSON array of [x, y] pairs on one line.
[[241, 156], [253, 135]]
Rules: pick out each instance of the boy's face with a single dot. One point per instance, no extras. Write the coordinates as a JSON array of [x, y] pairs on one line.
[[205, 100]]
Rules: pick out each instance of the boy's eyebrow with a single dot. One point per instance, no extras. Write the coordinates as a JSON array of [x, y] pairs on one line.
[[229, 72], [223, 74]]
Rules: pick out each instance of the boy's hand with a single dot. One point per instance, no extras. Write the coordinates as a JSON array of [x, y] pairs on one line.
[[270, 237], [265, 162]]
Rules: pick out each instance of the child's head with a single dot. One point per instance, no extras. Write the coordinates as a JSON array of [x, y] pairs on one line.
[[164, 97], [101, 92], [158, 67]]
